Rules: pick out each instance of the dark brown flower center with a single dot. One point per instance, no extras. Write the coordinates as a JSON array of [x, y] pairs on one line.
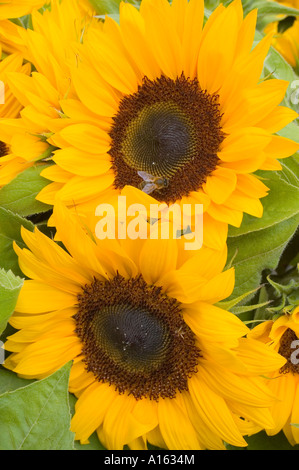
[[289, 349], [3, 149], [165, 138], [134, 337]]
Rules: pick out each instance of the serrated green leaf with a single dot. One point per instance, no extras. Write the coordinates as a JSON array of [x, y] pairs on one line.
[[249, 308], [230, 304], [286, 289], [290, 171], [10, 287], [278, 67], [281, 204], [10, 231], [10, 381], [261, 441], [275, 66], [283, 292], [23, 21], [291, 131], [109, 6], [268, 235], [105, 6], [268, 244], [270, 8], [19, 195], [37, 416]]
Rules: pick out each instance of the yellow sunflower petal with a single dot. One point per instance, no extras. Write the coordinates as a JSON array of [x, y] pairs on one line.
[[220, 184], [210, 321], [162, 36], [157, 257], [86, 137], [176, 429], [284, 387], [216, 55], [277, 119], [36, 297], [214, 412], [281, 147], [87, 417], [135, 40], [295, 416]]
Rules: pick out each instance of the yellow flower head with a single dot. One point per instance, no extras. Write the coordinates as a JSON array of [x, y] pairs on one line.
[[10, 109], [282, 335], [17, 8], [48, 48], [172, 110], [153, 358], [287, 41]]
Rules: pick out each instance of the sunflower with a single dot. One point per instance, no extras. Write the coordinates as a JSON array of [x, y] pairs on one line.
[[10, 107], [172, 111], [282, 335], [47, 47], [17, 8], [9, 30], [10, 38], [286, 35], [153, 359]]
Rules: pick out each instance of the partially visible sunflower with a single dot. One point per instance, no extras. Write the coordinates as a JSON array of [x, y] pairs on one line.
[[11, 31], [153, 359], [18, 8], [10, 38], [49, 48], [286, 35], [282, 335], [173, 111], [10, 108]]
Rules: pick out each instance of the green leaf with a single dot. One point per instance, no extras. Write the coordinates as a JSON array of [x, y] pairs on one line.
[[291, 131], [259, 243], [269, 8], [10, 381], [231, 304], [278, 67], [268, 244], [37, 416], [281, 204], [19, 195], [105, 6], [261, 441], [249, 308], [275, 66], [10, 230], [23, 21], [10, 287], [109, 6]]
